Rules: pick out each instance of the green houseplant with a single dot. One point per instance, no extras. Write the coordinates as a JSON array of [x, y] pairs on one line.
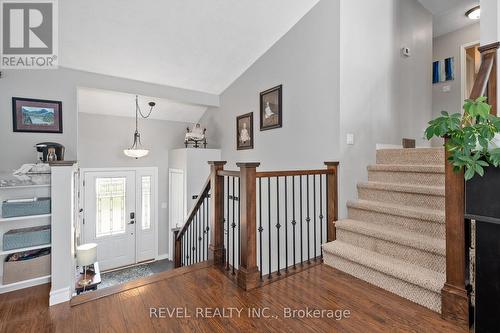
[[472, 137]]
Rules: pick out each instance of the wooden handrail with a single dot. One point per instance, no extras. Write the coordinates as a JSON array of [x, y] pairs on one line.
[[454, 296], [288, 173], [228, 173]]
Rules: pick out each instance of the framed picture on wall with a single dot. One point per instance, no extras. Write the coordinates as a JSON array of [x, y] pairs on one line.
[[36, 115], [244, 131], [271, 108]]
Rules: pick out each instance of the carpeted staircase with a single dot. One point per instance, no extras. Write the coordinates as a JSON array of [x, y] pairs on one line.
[[394, 234]]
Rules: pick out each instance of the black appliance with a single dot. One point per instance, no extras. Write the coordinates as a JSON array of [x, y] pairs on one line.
[[44, 147]]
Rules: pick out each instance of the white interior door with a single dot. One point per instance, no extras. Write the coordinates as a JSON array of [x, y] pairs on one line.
[[110, 216]]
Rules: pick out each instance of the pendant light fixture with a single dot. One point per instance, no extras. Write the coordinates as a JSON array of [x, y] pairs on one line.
[[137, 151]]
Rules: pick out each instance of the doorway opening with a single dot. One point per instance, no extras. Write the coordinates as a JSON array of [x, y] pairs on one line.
[[470, 63], [120, 215]]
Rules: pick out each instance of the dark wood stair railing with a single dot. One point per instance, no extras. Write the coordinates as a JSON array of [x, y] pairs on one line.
[[191, 241], [235, 206], [454, 296]]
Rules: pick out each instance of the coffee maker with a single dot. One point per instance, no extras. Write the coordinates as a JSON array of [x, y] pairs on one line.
[[47, 150]]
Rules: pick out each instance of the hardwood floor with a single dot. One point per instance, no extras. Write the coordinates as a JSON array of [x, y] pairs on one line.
[[321, 287]]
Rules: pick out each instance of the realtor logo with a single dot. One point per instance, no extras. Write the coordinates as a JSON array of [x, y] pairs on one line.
[[29, 34]]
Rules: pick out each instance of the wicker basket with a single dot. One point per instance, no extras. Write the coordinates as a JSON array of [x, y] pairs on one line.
[[18, 209]]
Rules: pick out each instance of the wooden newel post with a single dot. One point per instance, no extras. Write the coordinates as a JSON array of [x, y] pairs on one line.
[[332, 202], [177, 250], [248, 273], [454, 297], [216, 247]]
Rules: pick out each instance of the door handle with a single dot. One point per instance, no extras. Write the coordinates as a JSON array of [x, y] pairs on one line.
[[131, 222]]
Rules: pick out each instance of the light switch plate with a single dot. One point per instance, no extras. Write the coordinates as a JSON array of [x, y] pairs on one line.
[[447, 88], [350, 138]]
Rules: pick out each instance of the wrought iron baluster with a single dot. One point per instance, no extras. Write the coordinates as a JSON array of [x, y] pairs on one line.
[[199, 232], [260, 227], [308, 222], [326, 207], [301, 224], [294, 222], [207, 228], [321, 213], [233, 225], [269, 220], [239, 223], [286, 225], [193, 242], [228, 238], [314, 213], [189, 245], [278, 225]]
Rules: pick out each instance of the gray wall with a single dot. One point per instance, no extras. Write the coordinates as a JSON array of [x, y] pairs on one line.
[[342, 72], [101, 141], [384, 96], [306, 62], [449, 46], [61, 85]]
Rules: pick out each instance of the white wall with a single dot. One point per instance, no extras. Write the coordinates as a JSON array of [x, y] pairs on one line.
[[101, 141], [306, 62], [342, 72], [446, 46], [383, 95], [61, 85]]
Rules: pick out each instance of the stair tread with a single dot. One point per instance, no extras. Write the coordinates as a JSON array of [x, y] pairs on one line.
[[395, 235], [407, 188], [434, 215], [400, 269], [407, 168]]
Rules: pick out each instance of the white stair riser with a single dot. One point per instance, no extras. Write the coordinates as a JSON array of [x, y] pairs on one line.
[[417, 294], [411, 255], [396, 177], [411, 156], [402, 198], [428, 228]]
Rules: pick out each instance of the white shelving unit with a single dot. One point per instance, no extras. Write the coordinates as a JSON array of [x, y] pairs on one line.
[[25, 190]]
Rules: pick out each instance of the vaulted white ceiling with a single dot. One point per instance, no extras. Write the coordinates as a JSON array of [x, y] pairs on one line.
[[449, 15], [113, 103], [201, 45]]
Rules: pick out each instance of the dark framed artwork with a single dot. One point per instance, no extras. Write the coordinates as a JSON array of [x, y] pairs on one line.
[[271, 108], [36, 115], [244, 131]]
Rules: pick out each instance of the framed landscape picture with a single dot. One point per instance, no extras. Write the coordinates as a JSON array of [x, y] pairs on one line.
[[244, 131], [36, 115], [271, 108]]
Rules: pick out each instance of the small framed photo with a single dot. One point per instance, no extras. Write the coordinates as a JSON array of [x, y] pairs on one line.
[[36, 115], [244, 131], [271, 108]]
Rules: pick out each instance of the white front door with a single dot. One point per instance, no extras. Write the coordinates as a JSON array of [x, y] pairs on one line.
[[110, 216]]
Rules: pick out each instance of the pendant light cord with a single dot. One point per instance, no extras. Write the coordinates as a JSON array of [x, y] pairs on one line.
[[138, 109]]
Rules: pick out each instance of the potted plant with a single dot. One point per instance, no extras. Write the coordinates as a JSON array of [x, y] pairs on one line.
[[473, 141]]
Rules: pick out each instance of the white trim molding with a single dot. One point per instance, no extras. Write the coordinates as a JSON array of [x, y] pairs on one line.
[[59, 296]]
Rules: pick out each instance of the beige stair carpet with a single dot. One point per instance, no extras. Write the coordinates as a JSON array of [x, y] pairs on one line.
[[394, 236]]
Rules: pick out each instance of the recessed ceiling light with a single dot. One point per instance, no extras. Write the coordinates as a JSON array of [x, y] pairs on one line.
[[474, 13]]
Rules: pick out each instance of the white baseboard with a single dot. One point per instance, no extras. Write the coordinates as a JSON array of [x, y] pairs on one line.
[[59, 296], [163, 256]]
